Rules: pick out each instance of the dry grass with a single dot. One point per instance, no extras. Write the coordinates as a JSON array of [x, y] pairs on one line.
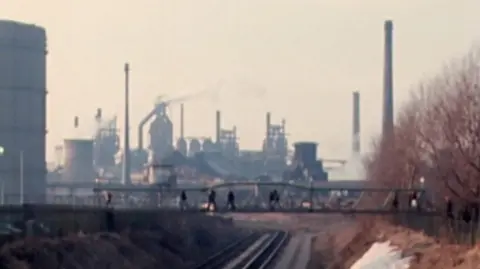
[[341, 248], [175, 243]]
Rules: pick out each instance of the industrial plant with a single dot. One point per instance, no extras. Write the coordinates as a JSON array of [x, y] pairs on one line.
[[101, 158], [195, 159]]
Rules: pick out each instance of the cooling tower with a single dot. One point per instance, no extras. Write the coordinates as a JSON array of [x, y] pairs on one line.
[[356, 123], [387, 125], [305, 152], [78, 163]]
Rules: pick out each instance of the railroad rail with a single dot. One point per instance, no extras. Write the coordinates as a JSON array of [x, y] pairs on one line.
[[220, 259], [253, 252], [267, 253]]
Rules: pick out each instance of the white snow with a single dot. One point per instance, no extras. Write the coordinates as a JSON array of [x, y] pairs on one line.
[[382, 256]]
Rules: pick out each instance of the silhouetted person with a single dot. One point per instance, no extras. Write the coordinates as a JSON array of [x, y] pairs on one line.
[[109, 199], [211, 200], [271, 199], [413, 201], [474, 211], [231, 200], [466, 213], [449, 208], [183, 200], [274, 199], [395, 201]]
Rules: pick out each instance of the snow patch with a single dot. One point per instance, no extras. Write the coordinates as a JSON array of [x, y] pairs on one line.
[[382, 256]]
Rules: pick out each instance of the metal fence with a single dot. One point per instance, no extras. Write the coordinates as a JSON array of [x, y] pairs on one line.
[[433, 224]]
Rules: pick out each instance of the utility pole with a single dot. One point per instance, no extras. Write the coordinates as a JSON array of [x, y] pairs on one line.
[[22, 195]]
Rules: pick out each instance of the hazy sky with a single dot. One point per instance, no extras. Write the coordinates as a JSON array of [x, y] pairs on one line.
[[298, 59]]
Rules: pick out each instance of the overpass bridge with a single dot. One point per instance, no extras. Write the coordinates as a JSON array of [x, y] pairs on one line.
[[251, 196], [114, 185]]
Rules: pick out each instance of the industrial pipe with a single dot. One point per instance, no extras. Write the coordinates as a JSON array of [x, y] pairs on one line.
[[142, 124]]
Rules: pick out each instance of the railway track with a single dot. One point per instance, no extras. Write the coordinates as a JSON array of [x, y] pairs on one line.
[[256, 251]]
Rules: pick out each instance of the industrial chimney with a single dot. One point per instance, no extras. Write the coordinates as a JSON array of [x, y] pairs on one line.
[[126, 146], [98, 116], [181, 122], [217, 128], [268, 139], [75, 122], [356, 123], [387, 127]]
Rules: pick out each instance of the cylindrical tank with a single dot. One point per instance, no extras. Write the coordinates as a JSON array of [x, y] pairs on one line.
[[195, 147], [209, 146], [305, 152], [78, 164], [182, 146], [23, 108]]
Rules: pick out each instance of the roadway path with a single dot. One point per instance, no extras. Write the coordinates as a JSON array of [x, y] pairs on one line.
[[296, 254]]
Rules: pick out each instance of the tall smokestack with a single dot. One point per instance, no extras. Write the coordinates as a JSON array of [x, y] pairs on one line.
[[388, 81], [98, 116], [356, 123], [75, 122], [181, 121], [268, 122], [217, 127], [126, 145]]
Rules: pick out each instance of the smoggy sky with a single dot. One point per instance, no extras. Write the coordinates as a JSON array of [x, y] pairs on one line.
[[298, 59]]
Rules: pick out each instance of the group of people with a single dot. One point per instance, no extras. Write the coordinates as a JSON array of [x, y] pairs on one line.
[[274, 200], [212, 200], [413, 201], [466, 211]]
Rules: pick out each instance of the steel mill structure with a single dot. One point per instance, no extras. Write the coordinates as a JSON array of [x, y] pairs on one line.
[[23, 50]]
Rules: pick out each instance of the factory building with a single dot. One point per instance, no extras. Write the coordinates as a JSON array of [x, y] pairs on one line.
[[305, 163], [106, 142], [23, 109], [275, 147]]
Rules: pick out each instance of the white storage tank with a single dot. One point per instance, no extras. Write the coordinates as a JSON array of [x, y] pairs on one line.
[[78, 163], [23, 108]]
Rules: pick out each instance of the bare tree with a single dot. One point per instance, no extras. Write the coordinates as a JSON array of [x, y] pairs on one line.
[[436, 136]]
